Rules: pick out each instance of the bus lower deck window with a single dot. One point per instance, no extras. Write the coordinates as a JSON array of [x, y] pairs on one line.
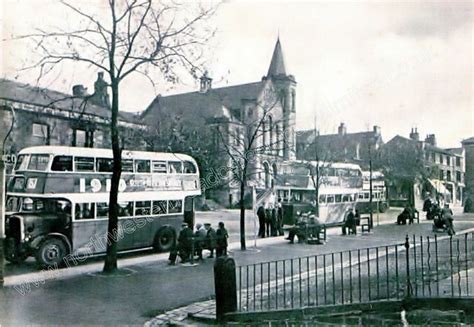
[[125, 209], [84, 211], [102, 210], [142, 208], [175, 206], [160, 207]]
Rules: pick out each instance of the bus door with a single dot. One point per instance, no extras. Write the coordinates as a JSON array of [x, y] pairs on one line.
[[189, 211]]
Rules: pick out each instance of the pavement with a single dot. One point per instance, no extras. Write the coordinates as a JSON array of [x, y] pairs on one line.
[[148, 291]]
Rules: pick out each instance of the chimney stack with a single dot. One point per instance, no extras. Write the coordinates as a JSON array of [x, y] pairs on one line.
[[206, 83], [414, 134], [431, 139], [342, 130], [377, 130], [79, 91]]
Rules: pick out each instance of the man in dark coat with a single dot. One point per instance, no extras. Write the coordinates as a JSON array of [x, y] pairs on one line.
[[349, 224], [261, 221], [185, 240], [280, 217], [221, 237], [210, 242]]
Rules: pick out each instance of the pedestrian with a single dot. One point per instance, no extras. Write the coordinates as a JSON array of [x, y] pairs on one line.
[[447, 217], [280, 217], [268, 218], [185, 242], [210, 242], [173, 253], [261, 221], [349, 225], [221, 236], [200, 238], [273, 222]]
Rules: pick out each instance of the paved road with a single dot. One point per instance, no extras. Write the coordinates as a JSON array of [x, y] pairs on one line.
[[80, 296]]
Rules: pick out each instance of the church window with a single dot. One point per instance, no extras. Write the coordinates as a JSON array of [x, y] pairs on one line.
[[293, 101]]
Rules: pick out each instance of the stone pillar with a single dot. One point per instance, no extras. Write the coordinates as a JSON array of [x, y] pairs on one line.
[[225, 286]]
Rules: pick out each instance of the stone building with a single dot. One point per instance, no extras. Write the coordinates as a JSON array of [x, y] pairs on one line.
[[468, 146], [419, 168], [356, 147], [32, 116], [231, 115]]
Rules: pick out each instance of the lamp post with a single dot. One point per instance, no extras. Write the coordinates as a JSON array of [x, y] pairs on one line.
[[2, 219]]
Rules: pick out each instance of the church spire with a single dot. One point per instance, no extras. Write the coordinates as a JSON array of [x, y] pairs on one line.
[[277, 65]]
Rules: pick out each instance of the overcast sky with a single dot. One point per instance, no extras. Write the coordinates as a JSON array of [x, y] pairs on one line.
[[393, 64]]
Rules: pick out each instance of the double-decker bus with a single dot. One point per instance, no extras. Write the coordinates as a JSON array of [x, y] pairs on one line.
[[339, 185], [379, 198], [58, 202]]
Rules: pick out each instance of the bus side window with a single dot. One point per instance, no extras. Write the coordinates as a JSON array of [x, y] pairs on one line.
[[142, 166], [159, 167], [338, 198], [330, 199], [125, 209], [142, 208], [361, 196], [127, 166], [175, 206], [189, 167], [346, 198], [84, 211], [322, 199], [102, 210], [62, 163], [160, 207], [175, 167], [105, 165], [84, 164]]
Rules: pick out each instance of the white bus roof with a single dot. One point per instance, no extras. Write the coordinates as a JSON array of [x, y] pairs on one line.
[[104, 153], [375, 174]]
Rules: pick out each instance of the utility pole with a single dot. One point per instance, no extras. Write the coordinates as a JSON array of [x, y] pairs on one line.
[[370, 190], [2, 219]]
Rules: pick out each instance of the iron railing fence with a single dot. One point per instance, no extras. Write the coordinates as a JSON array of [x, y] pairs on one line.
[[420, 266]]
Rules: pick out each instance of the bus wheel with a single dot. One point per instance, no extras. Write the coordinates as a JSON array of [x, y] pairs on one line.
[[51, 252], [383, 207], [164, 239]]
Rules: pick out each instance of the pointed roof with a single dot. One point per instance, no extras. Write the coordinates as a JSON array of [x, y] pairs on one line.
[[277, 65]]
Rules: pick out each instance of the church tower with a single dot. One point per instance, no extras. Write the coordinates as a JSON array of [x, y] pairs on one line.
[[285, 85]]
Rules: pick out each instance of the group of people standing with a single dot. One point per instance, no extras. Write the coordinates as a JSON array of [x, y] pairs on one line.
[[190, 244], [270, 219]]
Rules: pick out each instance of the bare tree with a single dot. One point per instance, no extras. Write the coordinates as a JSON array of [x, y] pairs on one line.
[[137, 37], [247, 141]]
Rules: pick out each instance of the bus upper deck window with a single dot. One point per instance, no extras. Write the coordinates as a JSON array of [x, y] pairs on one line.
[[338, 198], [127, 166], [21, 162], [159, 167], [84, 163], [38, 162], [189, 167], [175, 167], [142, 166], [346, 198], [62, 163], [104, 165], [330, 199], [361, 196]]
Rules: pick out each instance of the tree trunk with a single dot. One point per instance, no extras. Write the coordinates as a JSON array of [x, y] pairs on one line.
[[110, 264], [242, 214]]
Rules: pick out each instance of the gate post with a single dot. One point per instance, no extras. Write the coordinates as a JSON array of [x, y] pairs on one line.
[[408, 282], [225, 286]]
